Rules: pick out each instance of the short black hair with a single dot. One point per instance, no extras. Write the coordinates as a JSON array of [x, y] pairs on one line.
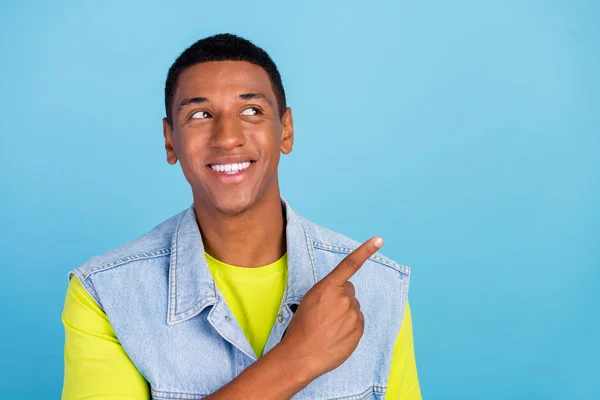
[[223, 47]]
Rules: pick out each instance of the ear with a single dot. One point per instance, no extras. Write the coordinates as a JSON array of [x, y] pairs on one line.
[[287, 131], [169, 144]]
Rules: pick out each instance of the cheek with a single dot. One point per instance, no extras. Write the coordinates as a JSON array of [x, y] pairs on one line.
[[271, 154], [191, 147], [268, 138]]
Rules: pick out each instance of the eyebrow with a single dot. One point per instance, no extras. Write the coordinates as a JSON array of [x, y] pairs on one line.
[[243, 96], [193, 100], [260, 96]]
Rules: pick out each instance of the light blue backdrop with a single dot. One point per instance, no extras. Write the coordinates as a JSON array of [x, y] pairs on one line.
[[466, 133]]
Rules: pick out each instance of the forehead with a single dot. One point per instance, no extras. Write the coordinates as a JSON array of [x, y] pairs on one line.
[[210, 79]]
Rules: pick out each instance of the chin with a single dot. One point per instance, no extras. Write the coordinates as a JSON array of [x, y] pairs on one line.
[[233, 206]]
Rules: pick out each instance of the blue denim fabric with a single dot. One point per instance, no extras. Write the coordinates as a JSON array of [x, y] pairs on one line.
[[177, 329]]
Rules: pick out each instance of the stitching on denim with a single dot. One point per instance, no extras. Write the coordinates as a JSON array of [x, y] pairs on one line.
[[173, 274], [293, 299], [214, 285], [92, 291], [406, 284], [77, 273], [86, 285], [375, 389], [404, 269], [128, 259], [173, 315], [89, 287], [311, 252], [177, 396], [195, 310], [161, 394]]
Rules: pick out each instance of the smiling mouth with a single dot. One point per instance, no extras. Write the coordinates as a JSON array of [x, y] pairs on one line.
[[231, 169]]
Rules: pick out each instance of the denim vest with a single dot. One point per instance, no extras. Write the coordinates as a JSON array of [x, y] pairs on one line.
[[178, 331]]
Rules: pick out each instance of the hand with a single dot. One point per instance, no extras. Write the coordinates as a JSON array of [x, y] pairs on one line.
[[328, 323]]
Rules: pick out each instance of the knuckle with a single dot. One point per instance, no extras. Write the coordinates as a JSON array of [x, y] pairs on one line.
[[346, 301], [349, 290], [329, 291], [357, 319], [351, 264]]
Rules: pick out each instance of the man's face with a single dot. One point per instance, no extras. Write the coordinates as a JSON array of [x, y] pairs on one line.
[[227, 134]]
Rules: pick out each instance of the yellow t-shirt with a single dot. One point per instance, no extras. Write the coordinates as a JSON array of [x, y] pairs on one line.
[[253, 295], [97, 367]]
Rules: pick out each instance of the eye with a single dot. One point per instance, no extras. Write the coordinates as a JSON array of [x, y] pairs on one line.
[[252, 111], [201, 115]]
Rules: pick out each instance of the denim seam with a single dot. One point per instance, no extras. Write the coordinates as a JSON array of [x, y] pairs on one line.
[[404, 269], [293, 299], [173, 277], [88, 286], [311, 252], [172, 306], [375, 389], [127, 260], [161, 394], [173, 315], [406, 284]]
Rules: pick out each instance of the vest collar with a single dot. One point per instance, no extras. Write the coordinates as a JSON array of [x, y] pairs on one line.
[[191, 285]]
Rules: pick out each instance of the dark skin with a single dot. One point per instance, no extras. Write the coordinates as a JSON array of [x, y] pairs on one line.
[[242, 224], [225, 112]]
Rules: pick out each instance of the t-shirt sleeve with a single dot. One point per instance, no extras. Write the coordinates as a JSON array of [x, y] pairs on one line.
[[403, 381], [96, 366]]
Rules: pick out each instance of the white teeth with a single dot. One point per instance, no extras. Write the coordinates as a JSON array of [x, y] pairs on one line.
[[231, 168]]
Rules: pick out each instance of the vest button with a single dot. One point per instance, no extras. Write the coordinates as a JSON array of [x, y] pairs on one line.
[[227, 318], [280, 318]]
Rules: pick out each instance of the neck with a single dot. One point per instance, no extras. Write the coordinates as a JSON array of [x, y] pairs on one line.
[[253, 238]]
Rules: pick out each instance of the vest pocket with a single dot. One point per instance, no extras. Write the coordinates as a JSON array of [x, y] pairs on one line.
[[372, 393]]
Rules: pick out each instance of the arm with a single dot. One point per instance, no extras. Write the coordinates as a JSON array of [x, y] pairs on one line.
[[274, 376], [403, 382], [323, 333]]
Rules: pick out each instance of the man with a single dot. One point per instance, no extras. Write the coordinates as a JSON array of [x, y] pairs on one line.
[[237, 297]]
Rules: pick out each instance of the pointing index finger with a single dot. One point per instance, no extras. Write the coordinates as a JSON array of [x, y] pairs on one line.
[[353, 261]]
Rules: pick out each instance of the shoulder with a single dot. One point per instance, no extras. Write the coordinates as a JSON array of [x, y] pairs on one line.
[[154, 243], [327, 240]]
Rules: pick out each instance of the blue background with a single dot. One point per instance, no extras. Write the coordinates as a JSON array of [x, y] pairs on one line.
[[466, 133]]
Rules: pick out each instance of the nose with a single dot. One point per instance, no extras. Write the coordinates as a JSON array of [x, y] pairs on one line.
[[227, 133]]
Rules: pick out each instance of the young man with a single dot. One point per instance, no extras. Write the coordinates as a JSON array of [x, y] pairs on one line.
[[237, 297]]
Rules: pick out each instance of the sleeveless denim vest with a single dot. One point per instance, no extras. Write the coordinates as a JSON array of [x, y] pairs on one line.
[[178, 331]]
